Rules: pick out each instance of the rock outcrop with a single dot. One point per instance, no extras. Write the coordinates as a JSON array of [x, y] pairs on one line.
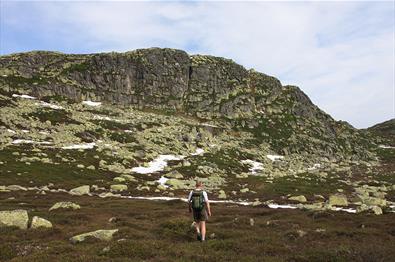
[[105, 235], [17, 218], [205, 87]]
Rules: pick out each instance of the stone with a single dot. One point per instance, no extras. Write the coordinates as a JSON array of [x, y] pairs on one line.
[[362, 208], [244, 190], [79, 191], [301, 198], [38, 222], [373, 201], [377, 210], [104, 235], [65, 205], [256, 203], [128, 178], [338, 200], [252, 222], [221, 194], [118, 188], [16, 188], [108, 194], [174, 174], [17, 218], [119, 179], [176, 184], [161, 187]]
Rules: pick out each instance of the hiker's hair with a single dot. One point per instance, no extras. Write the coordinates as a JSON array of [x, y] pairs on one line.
[[199, 183]]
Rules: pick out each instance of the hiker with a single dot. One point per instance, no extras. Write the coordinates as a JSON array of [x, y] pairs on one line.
[[199, 204]]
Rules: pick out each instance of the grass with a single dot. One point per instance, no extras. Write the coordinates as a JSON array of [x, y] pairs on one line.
[[160, 231]]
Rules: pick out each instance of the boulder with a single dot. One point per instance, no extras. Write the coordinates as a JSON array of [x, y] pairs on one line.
[[119, 179], [176, 184], [373, 201], [301, 198], [377, 210], [118, 188], [221, 194], [174, 174], [79, 191], [66, 205], [244, 190], [17, 218], [108, 194], [40, 222], [338, 200], [362, 208], [105, 235], [129, 178], [16, 188]]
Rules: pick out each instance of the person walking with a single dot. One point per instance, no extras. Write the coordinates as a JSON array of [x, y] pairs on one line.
[[199, 205]]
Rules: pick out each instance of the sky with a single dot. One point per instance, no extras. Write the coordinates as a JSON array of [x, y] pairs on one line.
[[341, 54]]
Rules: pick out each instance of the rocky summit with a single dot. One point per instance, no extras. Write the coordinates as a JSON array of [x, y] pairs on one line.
[[208, 88], [88, 141]]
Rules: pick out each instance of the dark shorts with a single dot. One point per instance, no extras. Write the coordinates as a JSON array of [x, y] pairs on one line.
[[200, 215]]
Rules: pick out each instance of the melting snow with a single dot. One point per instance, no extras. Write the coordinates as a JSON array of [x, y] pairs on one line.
[[25, 131], [128, 131], [80, 146], [25, 141], [11, 131], [24, 96], [199, 151], [45, 104], [274, 157], [91, 103], [256, 166], [348, 210], [384, 146], [275, 206], [162, 180], [158, 164]]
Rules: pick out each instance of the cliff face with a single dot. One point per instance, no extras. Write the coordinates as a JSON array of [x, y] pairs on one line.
[[206, 87]]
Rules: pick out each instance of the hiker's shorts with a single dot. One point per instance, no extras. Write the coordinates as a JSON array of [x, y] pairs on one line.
[[200, 215]]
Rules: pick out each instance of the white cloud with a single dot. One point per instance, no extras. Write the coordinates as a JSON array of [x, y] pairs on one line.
[[339, 53]]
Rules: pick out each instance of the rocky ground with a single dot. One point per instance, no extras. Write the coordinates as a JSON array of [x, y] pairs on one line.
[[84, 180]]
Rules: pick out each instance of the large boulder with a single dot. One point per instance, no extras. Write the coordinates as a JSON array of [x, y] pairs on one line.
[[79, 191], [373, 201], [118, 188], [38, 222], [301, 198], [174, 174], [221, 194], [338, 200], [176, 184], [66, 205], [17, 218], [105, 235]]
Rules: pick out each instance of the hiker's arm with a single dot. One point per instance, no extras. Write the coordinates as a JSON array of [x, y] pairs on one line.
[[190, 206], [208, 208]]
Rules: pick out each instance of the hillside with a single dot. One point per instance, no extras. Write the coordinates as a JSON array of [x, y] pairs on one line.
[[111, 132]]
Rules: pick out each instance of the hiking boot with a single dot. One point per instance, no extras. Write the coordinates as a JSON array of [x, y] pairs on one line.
[[199, 237]]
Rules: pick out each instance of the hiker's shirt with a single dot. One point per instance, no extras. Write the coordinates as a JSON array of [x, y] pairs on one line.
[[204, 195]]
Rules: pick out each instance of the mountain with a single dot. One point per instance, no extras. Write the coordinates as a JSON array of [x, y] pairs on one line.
[[210, 89]]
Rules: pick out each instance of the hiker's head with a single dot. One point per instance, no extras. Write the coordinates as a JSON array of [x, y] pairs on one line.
[[199, 183]]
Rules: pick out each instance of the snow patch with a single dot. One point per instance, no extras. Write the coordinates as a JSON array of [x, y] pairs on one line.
[[128, 131], [158, 164], [45, 104], [11, 131], [274, 157], [23, 96], [256, 166], [348, 210], [199, 151], [80, 146], [26, 141], [25, 131], [276, 206], [91, 103], [387, 147], [162, 180]]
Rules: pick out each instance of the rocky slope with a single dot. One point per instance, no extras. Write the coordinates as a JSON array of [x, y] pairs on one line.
[[210, 89]]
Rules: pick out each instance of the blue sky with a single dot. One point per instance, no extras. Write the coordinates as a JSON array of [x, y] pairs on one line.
[[340, 53]]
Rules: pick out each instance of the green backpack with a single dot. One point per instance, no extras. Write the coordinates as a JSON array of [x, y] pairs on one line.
[[197, 200]]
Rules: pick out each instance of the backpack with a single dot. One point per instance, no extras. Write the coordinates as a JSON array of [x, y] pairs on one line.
[[197, 200]]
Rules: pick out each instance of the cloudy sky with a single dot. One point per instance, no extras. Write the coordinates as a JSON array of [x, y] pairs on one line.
[[340, 53]]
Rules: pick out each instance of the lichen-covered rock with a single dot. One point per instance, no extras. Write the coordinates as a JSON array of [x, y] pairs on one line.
[[16, 188], [301, 198], [338, 200], [118, 188], [65, 205], [128, 178], [17, 218], [377, 210], [79, 191], [38, 222], [221, 194], [176, 184], [119, 179], [174, 174], [244, 190], [104, 235]]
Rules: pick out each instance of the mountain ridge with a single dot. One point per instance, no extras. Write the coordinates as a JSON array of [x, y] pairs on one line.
[[206, 87]]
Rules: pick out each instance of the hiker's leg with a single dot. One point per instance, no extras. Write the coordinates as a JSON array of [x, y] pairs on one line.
[[197, 226], [203, 229]]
